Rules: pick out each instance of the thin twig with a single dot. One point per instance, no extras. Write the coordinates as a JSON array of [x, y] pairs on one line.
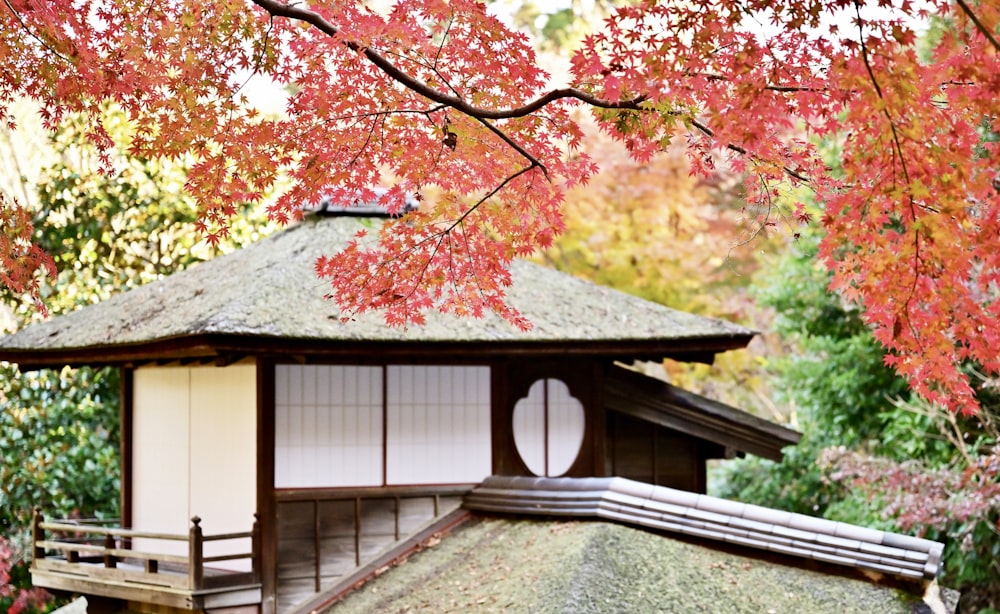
[[979, 24]]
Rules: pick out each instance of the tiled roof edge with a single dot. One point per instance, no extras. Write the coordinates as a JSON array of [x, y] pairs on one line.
[[703, 516]]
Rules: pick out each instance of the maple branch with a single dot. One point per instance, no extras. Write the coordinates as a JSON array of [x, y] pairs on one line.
[[897, 151], [742, 151], [257, 61], [774, 88], [440, 236], [279, 9], [492, 192], [512, 143], [979, 24], [25, 27]]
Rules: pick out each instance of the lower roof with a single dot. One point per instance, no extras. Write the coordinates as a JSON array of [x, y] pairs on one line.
[[590, 567], [711, 518], [595, 545]]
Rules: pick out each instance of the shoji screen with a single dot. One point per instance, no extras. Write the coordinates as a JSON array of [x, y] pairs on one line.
[[331, 422], [328, 426], [438, 424]]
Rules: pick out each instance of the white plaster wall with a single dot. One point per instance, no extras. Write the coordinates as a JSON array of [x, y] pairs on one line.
[[194, 453], [223, 461], [161, 455]]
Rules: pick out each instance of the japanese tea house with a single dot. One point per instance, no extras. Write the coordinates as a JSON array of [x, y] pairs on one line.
[[245, 395]]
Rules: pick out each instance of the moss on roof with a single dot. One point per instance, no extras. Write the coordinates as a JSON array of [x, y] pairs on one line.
[[269, 289], [584, 567]]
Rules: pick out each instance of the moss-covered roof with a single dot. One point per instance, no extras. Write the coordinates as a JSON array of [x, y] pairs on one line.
[[269, 290], [583, 567]]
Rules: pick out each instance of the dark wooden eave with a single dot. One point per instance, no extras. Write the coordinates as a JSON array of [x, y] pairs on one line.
[[225, 349], [655, 401]]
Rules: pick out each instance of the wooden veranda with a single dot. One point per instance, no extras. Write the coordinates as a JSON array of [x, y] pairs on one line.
[[94, 558]]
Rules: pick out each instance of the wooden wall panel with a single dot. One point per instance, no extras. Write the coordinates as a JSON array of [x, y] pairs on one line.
[[413, 513], [654, 454], [344, 540]]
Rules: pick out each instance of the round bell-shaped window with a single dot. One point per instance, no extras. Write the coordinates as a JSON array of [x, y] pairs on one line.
[[548, 427]]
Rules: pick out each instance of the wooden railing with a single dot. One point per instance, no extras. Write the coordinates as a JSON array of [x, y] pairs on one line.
[[92, 551], [327, 534]]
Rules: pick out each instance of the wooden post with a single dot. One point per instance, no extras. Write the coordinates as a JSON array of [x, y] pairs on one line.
[[255, 550], [196, 557], [37, 534], [110, 560]]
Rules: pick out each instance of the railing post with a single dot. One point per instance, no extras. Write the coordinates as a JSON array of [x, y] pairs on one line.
[[255, 548], [110, 560], [37, 535], [196, 555]]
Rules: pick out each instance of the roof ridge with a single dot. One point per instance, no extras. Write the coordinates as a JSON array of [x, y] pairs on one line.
[[668, 509]]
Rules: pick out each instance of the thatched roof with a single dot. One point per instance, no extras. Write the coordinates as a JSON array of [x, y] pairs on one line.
[[593, 567], [269, 292]]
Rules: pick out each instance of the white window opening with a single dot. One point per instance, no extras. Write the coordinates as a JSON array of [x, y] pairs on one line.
[[548, 428]]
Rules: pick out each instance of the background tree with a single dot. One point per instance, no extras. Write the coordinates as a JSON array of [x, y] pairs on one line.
[[656, 230], [440, 93], [872, 452], [107, 231]]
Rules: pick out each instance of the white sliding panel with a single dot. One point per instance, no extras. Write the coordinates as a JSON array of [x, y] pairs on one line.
[[224, 455], [328, 426], [438, 424], [161, 462]]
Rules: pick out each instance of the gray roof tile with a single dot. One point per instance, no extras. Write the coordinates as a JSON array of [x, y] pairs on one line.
[[766, 514], [711, 518], [851, 531]]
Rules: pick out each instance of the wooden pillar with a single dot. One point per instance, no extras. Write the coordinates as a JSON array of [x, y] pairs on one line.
[[125, 418], [110, 560], [255, 548], [266, 505], [196, 558], [37, 534]]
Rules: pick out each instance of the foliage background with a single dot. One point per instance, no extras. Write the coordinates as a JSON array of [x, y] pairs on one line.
[[107, 232]]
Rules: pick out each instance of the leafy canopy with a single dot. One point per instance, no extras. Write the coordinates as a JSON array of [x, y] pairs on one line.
[[440, 94]]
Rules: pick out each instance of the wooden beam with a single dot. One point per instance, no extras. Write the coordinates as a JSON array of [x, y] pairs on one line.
[[125, 436], [209, 346]]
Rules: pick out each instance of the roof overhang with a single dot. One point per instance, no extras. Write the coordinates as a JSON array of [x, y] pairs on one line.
[[657, 402], [226, 348]]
